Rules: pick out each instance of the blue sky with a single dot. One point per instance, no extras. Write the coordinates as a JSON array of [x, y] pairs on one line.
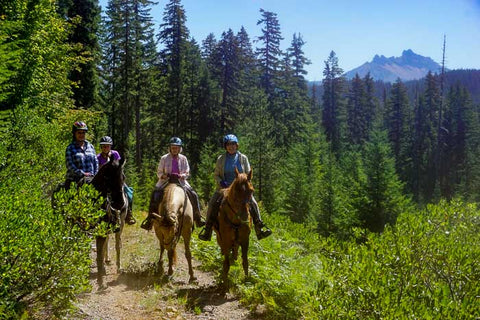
[[355, 30]]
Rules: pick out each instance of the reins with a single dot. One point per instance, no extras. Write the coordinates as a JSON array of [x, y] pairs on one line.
[[234, 226]]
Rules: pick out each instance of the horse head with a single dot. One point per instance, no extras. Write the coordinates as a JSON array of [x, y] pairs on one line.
[[171, 205], [110, 180], [242, 188]]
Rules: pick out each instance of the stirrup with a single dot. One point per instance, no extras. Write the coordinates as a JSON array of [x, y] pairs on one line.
[[200, 223], [261, 234], [147, 224], [205, 235], [131, 220]]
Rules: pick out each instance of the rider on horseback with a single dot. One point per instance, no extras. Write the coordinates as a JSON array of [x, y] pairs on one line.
[[174, 167], [80, 156], [103, 157], [224, 176]]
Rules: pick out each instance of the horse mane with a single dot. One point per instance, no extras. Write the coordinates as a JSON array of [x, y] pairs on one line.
[[110, 178], [168, 196], [235, 191]]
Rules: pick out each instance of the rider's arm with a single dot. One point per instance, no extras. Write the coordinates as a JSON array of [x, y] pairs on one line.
[[95, 162], [218, 174], [161, 171], [185, 169], [245, 164], [70, 160]]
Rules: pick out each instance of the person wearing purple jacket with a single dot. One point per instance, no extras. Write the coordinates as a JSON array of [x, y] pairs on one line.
[[103, 157]]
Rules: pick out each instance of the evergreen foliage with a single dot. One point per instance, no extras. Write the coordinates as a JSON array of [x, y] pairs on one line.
[[84, 16], [333, 112], [384, 199], [269, 55], [398, 123], [335, 161]]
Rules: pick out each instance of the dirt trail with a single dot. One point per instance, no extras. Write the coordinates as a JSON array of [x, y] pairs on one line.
[[136, 293]]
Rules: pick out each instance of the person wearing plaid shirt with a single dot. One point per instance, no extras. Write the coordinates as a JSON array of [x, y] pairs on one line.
[[80, 155]]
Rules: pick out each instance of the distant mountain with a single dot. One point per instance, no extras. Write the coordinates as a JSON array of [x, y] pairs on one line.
[[410, 66]]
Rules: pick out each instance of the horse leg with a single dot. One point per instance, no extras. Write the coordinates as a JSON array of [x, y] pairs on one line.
[[188, 256], [171, 257], [160, 261], [107, 258], [245, 257], [226, 267], [118, 247], [100, 241]]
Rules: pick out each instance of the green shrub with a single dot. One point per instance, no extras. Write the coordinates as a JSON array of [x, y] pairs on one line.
[[426, 267], [44, 259]]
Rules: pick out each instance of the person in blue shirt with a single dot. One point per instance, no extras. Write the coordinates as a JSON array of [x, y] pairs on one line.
[[224, 175], [80, 156]]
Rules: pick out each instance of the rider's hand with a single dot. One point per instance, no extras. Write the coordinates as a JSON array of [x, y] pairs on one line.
[[224, 184], [88, 174]]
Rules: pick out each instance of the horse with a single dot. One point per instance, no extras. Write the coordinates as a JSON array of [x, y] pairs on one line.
[[175, 219], [109, 182], [234, 221]]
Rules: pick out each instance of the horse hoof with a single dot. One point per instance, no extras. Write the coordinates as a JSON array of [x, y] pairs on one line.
[[101, 272], [102, 287], [108, 262], [192, 279]]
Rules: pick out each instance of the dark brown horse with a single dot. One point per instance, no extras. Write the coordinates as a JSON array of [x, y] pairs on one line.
[[234, 221], [109, 182], [175, 220]]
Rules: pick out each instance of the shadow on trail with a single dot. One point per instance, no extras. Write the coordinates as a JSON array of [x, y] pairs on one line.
[[209, 297], [140, 279]]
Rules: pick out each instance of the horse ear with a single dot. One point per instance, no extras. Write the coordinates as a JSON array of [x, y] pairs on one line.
[[250, 175], [236, 172], [122, 161]]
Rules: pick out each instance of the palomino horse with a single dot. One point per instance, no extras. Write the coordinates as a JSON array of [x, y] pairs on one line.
[[175, 219], [109, 182], [234, 221]]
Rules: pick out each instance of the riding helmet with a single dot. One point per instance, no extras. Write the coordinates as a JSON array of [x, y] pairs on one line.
[[106, 140], [176, 141], [229, 138], [79, 125]]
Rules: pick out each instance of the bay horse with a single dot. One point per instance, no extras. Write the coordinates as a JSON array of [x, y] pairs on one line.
[[175, 220], [109, 182], [234, 221]]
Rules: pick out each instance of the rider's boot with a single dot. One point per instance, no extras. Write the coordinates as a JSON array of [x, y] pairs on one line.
[[197, 216], [212, 213], [147, 224], [129, 219], [206, 233], [261, 230]]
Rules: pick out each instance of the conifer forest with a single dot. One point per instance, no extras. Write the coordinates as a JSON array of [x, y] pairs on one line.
[[370, 188]]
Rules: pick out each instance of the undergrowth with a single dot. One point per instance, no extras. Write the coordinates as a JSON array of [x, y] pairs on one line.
[[426, 267]]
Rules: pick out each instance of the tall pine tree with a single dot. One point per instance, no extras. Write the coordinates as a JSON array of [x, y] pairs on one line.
[[333, 102]]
